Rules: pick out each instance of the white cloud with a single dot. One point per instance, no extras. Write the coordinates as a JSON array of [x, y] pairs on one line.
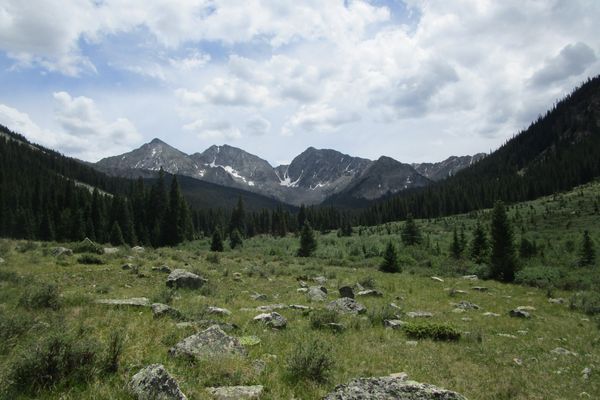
[[213, 130], [572, 60], [257, 126]]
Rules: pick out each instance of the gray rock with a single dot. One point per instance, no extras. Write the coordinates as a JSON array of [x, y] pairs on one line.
[[208, 343], [1, 260], [271, 307], [258, 297], [586, 373], [132, 302], [303, 284], [516, 313], [273, 319], [299, 307], [180, 278], [138, 249], [346, 305], [470, 277], [61, 251], [110, 250], [491, 314], [480, 288], [563, 352], [437, 279], [346, 291], [218, 311], [162, 310], [559, 300], [467, 305], [127, 266], [316, 293], [163, 268], [369, 293], [302, 290], [526, 308], [419, 314], [321, 280], [155, 383], [235, 392], [390, 388], [394, 323]]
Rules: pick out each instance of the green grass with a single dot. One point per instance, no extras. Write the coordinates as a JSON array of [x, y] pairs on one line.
[[479, 365]]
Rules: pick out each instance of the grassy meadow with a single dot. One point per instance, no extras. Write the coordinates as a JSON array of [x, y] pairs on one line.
[[46, 300]]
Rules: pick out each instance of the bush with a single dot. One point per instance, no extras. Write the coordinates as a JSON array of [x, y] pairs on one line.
[[58, 358], [44, 296], [378, 315], [309, 361], [432, 331], [113, 353], [89, 259], [12, 326], [320, 318], [540, 277], [587, 302]]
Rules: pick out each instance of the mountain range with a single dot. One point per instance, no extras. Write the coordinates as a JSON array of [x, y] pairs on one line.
[[311, 177]]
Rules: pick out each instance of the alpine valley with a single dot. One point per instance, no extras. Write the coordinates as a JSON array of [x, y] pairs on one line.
[[311, 177]]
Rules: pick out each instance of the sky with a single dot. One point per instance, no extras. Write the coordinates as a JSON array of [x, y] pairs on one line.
[[414, 80]]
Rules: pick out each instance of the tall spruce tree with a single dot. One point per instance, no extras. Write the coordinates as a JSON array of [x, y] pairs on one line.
[[411, 235], [308, 243], [390, 261], [503, 259], [216, 243], [479, 245], [588, 253], [116, 236], [238, 218], [456, 248], [176, 219]]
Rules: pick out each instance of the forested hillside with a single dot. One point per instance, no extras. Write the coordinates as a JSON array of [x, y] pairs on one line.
[[555, 153]]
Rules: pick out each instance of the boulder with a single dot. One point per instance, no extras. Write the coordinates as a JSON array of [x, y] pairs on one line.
[[110, 250], [162, 310], [271, 307], [390, 388], [394, 323], [419, 314], [559, 300], [235, 392], [437, 279], [346, 291], [138, 249], [470, 277], [302, 290], [516, 313], [273, 319], [370, 293], [258, 297], [208, 343], [321, 280], [180, 278], [155, 383], [127, 266], [480, 288], [467, 305], [316, 293], [132, 302], [61, 251], [299, 307], [163, 268], [346, 305], [218, 311]]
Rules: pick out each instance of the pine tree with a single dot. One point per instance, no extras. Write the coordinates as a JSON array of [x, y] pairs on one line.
[[238, 218], [503, 258], [116, 235], [410, 232], [588, 253], [216, 243], [456, 248], [235, 239], [479, 245], [390, 260], [308, 244], [175, 221]]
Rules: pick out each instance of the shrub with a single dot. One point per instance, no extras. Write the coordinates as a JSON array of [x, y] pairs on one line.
[[114, 350], [89, 259], [309, 361], [540, 277], [58, 358], [12, 326], [320, 318], [432, 331], [587, 302], [43, 296], [378, 315]]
